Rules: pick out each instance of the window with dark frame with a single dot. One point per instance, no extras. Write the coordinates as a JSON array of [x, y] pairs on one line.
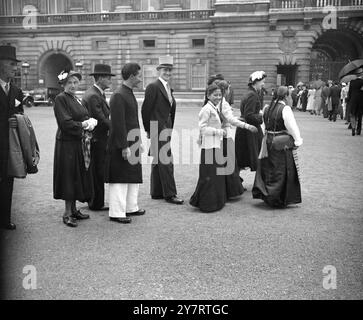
[[149, 43], [198, 43]]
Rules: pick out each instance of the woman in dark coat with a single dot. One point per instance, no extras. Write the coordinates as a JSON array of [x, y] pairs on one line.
[[277, 181], [71, 178], [247, 143]]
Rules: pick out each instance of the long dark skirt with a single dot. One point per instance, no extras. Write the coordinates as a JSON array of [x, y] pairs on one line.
[[210, 193], [276, 180], [71, 180], [234, 186], [247, 146]]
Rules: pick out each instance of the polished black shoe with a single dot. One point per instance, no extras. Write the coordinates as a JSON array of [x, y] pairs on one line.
[[101, 209], [157, 197], [358, 132], [121, 220], [70, 221], [174, 200], [8, 226], [353, 132], [136, 213], [80, 216]]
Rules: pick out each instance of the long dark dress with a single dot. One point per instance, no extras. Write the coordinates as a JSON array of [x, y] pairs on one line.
[[247, 143], [210, 193], [71, 180], [276, 180]]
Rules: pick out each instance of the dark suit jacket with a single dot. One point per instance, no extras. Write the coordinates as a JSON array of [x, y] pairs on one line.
[[334, 94], [7, 109], [98, 108], [125, 119], [157, 107]]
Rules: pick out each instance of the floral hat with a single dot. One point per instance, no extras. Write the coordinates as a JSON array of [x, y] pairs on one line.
[[256, 76], [65, 75]]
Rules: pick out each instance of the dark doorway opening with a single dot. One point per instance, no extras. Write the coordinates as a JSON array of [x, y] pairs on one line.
[[286, 75]]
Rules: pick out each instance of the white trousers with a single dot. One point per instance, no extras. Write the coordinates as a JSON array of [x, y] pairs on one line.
[[123, 198]]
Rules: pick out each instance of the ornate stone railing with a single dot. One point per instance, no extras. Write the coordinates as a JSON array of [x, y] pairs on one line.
[[300, 4], [84, 18]]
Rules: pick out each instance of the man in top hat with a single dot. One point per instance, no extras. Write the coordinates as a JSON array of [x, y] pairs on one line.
[[11, 99], [95, 101], [158, 114]]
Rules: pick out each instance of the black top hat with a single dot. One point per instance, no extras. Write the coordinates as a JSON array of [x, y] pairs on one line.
[[8, 53], [102, 70]]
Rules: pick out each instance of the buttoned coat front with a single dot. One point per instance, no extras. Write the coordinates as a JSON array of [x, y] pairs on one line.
[[125, 133]]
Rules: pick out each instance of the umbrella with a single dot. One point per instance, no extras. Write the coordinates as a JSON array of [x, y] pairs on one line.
[[348, 78], [350, 67]]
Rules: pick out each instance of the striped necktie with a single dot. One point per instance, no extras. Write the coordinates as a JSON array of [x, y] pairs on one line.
[[7, 88], [169, 93]]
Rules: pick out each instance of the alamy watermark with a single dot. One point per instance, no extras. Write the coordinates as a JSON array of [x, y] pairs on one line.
[[30, 280], [330, 278]]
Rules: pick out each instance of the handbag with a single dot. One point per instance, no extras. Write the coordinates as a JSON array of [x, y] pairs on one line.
[[283, 141]]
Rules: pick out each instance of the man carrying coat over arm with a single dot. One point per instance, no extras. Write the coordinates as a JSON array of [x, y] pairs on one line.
[[95, 101], [158, 114], [11, 98], [123, 159]]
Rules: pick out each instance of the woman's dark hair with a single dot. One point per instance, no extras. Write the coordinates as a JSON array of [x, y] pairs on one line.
[[223, 85], [211, 88], [130, 69], [215, 77]]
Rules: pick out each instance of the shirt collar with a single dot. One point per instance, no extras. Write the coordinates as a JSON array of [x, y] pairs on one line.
[[163, 81], [102, 91], [3, 83]]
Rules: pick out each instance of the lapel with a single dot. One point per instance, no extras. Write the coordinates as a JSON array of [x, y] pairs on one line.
[[163, 90], [105, 104]]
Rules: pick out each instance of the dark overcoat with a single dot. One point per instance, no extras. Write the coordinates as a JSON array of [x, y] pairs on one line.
[[247, 143], [157, 107], [355, 96], [7, 109], [98, 108], [125, 133]]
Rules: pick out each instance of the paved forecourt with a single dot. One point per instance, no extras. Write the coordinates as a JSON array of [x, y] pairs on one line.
[[245, 251]]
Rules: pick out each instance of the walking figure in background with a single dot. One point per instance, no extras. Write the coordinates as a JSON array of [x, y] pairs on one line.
[[355, 101]]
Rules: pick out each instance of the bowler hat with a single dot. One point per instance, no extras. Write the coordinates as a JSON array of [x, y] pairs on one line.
[[102, 70], [165, 62], [8, 53]]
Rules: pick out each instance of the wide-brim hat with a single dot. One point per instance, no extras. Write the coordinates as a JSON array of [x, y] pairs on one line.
[[65, 75], [102, 70], [300, 84], [165, 62], [8, 53]]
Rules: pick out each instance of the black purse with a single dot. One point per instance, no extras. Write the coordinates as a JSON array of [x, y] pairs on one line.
[[282, 141]]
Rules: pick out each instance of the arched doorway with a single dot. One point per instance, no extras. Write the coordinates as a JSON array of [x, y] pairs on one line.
[[332, 51], [51, 65]]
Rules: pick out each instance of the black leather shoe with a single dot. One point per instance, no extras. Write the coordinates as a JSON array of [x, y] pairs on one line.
[[101, 209], [174, 200], [353, 132], [121, 220], [80, 216], [70, 222], [136, 213], [8, 226], [157, 197]]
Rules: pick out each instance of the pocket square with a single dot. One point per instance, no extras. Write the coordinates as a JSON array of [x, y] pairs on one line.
[[17, 103]]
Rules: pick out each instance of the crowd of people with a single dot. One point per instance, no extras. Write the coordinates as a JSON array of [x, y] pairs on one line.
[[99, 142], [331, 99]]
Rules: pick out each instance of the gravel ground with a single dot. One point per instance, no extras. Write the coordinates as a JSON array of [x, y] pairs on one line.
[[245, 251]]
